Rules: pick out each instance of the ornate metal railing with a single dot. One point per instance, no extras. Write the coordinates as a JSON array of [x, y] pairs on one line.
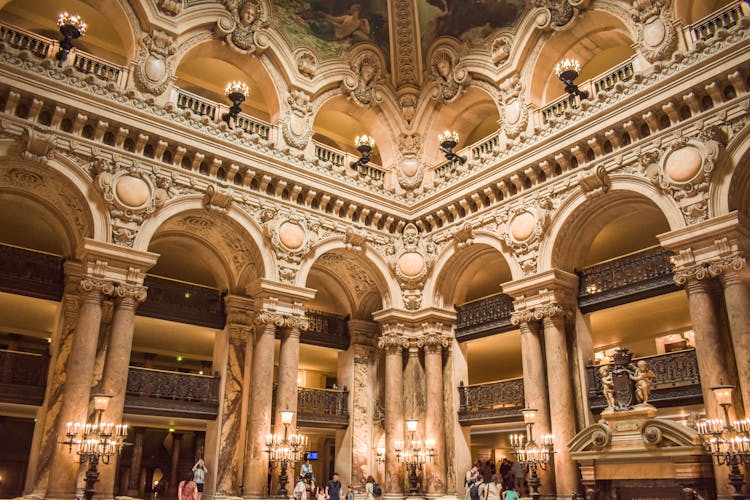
[[626, 279], [159, 392], [482, 317], [182, 302], [724, 19], [97, 67], [23, 377], [253, 126], [491, 402], [326, 329], [196, 104], [622, 74], [323, 407], [30, 273], [24, 40], [676, 381]]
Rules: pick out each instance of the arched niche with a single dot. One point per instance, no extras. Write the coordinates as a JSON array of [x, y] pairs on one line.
[[598, 40], [109, 34], [474, 116], [690, 11], [339, 121], [206, 69], [472, 273]]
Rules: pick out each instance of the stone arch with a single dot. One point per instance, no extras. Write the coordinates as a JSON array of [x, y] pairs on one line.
[[233, 236], [730, 189], [61, 192], [371, 272], [207, 67], [610, 39], [579, 220], [448, 283]]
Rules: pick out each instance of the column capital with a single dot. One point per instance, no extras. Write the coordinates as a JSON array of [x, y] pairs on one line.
[[115, 263], [547, 294], [393, 342], [433, 342], [282, 319], [239, 309], [96, 287], [130, 294]]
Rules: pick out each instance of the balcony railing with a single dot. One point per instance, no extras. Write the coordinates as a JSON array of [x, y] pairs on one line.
[[626, 279], [559, 107], [326, 329], [323, 407], [30, 273], [485, 146], [622, 74], [677, 381], [724, 19], [327, 153], [25, 40], [23, 377], [254, 126], [492, 402], [196, 104], [159, 392], [99, 68], [183, 302], [483, 317]]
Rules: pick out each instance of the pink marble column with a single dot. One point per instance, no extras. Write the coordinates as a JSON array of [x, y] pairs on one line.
[[434, 418], [135, 462], [259, 419], [394, 413], [534, 375], [77, 388], [286, 384], [562, 406], [115, 374], [737, 299]]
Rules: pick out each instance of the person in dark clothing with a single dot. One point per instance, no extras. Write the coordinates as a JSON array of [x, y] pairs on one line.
[[333, 488]]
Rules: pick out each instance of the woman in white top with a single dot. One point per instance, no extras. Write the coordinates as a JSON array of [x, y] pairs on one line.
[[493, 490], [369, 485]]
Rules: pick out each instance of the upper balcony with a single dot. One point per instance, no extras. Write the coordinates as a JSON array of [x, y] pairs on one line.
[[491, 403], [483, 317]]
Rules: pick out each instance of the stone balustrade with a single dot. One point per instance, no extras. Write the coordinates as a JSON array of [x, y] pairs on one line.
[[724, 19], [676, 381], [492, 402]]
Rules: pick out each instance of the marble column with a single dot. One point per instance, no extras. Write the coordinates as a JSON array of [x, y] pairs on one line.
[[44, 442], [77, 388], [115, 374], [286, 384], [562, 406], [534, 375], [135, 462], [173, 479], [259, 419], [394, 413], [434, 417], [737, 300]]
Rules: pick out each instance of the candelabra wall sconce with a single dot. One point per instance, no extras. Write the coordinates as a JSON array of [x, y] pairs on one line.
[[95, 441], [380, 456], [728, 444], [71, 27], [530, 454], [365, 145], [414, 455], [285, 451], [448, 140], [237, 93], [567, 71]]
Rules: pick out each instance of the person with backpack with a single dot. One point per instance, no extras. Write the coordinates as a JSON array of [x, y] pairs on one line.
[[477, 489], [472, 475], [372, 489]]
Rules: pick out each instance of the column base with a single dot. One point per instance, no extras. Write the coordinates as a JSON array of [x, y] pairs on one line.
[[393, 496]]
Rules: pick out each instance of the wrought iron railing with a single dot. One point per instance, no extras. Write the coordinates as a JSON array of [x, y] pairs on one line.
[[23, 377], [676, 381], [623, 74], [483, 317], [633, 277], [724, 19], [183, 302], [326, 329], [30, 273], [491, 402], [159, 392], [323, 407]]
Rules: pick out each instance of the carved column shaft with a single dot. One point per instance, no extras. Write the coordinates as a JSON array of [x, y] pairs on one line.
[[562, 406], [259, 420], [135, 463], [434, 417], [394, 419], [77, 388], [737, 299], [115, 375]]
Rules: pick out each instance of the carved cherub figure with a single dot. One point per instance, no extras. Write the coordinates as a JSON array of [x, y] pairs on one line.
[[608, 387], [643, 378]]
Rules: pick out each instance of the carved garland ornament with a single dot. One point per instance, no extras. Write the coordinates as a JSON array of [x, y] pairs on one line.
[[281, 319]]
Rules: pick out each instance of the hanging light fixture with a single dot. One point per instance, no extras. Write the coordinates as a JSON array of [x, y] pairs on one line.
[[71, 27], [237, 92], [567, 71], [365, 145]]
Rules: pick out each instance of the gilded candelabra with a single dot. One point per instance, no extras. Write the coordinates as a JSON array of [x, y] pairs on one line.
[[728, 444], [529, 453], [414, 456], [285, 451], [95, 441]]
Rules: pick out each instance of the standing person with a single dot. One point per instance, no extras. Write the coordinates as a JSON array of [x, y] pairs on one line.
[[307, 473], [519, 476], [321, 495], [370, 488], [199, 476], [333, 488], [494, 490], [510, 494], [472, 475], [300, 490], [187, 490], [349, 493]]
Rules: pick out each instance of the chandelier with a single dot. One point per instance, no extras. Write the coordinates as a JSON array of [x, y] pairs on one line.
[[567, 71], [237, 93], [529, 453], [285, 450], [414, 456]]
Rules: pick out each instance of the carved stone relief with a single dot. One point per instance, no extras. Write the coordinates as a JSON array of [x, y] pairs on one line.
[[522, 228], [657, 33], [557, 14], [500, 50], [515, 114], [411, 258], [307, 62], [409, 171], [248, 17], [291, 240], [361, 85], [450, 79], [296, 124], [170, 7], [155, 67]]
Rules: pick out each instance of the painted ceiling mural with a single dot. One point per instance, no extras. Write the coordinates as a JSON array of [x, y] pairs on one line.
[[329, 27], [472, 21]]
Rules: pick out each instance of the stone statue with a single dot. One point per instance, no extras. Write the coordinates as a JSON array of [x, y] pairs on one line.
[[608, 387], [643, 378]]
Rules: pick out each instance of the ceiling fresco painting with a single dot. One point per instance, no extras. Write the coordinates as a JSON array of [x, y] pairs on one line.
[[472, 21], [329, 27]]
